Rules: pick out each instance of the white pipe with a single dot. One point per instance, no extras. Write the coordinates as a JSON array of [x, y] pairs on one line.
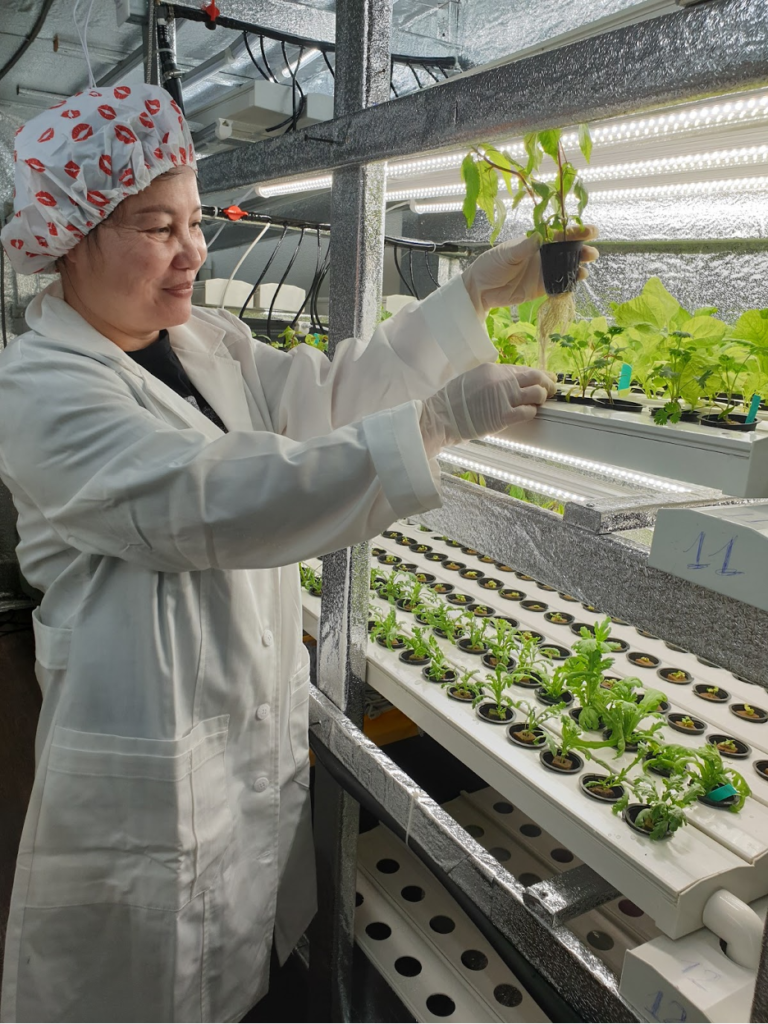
[[240, 263], [737, 924]]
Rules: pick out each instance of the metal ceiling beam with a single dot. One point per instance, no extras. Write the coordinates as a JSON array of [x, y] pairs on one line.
[[709, 49]]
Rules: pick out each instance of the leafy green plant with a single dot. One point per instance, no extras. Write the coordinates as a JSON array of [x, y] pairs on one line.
[[665, 810], [420, 644], [472, 478], [438, 666], [569, 739], [534, 717], [623, 719], [532, 498], [476, 630], [484, 165], [310, 580], [586, 349], [466, 686], [396, 587], [528, 658], [500, 638], [496, 686], [553, 684], [585, 670], [710, 772], [390, 631]]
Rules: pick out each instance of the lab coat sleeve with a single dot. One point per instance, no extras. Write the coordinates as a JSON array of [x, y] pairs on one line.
[[410, 356], [112, 479]]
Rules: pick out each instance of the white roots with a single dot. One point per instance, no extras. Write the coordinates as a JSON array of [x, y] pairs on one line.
[[556, 313]]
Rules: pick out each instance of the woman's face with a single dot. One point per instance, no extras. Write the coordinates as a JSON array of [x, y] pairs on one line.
[[136, 277]]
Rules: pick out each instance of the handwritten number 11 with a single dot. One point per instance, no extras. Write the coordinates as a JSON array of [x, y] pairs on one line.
[[727, 549]]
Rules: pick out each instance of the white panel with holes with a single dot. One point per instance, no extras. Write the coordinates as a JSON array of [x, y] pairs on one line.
[[425, 946]]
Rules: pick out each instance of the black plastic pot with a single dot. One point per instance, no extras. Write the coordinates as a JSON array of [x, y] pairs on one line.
[[425, 577], [545, 586], [675, 647], [435, 556], [420, 549], [550, 761], [451, 566], [646, 634], [560, 266], [490, 661], [742, 750], [470, 574], [576, 628], [397, 645], [454, 695], [530, 682], [573, 399], [761, 767], [390, 559], [559, 618], [721, 697], [735, 421], [482, 611], [723, 805], [759, 718], [507, 618], [391, 534], [532, 605], [615, 792], [405, 656], [569, 597], [404, 605], [484, 711], [617, 645], [449, 676], [452, 543], [675, 722], [464, 645], [405, 542], [489, 583], [690, 416], [631, 813], [378, 551], [532, 632], [618, 405], [566, 697], [461, 600], [510, 594], [522, 576], [560, 653], [514, 730], [408, 566], [470, 551], [634, 657], [666, 673], [503, 567]]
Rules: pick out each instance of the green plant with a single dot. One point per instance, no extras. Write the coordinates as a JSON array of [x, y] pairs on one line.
[[310, 580], [476, 630], [710, 772], [612, 776], [495, 686], [396, 586], [391, 631], [623, 718], [584, 671], [502, 639], [528, 658], [484, 165], [438, 666], [420, 644], [668, 758], [553, 684], [586, 349], [569, 739], [534, 718], [532, 498], [665, 810], [472, 478], [466, 686]]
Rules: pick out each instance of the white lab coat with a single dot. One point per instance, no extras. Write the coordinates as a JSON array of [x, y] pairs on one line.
[[168, 833]]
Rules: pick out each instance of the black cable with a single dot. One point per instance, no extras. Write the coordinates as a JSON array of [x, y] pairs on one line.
[[168, 67], [414, 289], [328, 64], [430, 73], [2, 296], [323, 272], [401, 275], [258, 67], [29, 39], [294, 86], [280, 283], [392, 87], [308, 296], [266, 62], [413, 72], [267, 265], [429, 269]]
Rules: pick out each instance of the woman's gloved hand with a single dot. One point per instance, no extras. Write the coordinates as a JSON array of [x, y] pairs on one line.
[[510, 273], [482, 401]]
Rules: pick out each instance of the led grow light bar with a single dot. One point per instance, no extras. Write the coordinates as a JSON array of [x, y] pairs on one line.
[[587, 465], [456, 459]]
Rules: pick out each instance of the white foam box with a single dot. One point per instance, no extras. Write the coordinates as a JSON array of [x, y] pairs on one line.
[[688, 979], [394, 303], [208, 293], [723, 548], [290, 297]]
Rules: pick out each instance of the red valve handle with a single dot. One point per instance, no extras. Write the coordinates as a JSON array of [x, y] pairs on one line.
[[234, 212]]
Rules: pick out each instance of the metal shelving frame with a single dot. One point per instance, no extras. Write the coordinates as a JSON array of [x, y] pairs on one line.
[[713, 47]]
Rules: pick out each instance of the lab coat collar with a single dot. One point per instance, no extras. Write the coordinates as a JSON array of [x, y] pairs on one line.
[[211, 368]]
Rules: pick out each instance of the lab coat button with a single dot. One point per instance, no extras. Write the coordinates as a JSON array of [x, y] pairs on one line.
[[267, 638], [260, 785], [262, 712]]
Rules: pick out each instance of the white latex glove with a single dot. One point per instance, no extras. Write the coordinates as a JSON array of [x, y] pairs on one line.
[[482, 401], [510, 273]]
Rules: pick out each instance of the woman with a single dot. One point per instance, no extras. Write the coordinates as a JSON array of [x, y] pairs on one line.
[[167, 482]]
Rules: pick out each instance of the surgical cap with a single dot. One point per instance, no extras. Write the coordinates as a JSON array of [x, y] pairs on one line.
[[76, 161]]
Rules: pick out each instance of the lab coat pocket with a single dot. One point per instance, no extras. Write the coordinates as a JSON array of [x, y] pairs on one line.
[[51, 650], [131, 821], [299, 724]]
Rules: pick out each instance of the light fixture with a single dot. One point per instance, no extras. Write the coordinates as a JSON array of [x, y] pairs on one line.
[[286, 188], [74, 49], [742, 157], [588, 466], [455, 459], [40, 95]]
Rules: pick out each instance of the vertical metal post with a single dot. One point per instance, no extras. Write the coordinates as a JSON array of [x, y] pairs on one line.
[[363, 29], [760, 1001], [149, 38]]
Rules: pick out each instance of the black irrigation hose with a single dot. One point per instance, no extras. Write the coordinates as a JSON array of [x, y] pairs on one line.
[[413, 72], [308, 296], [281, 282], [328, 64], [401, 275], [414, 289], [168, 67], [266, 62], [29, 39], [258, 67], [429, 269], [314, 312], [267, 265]]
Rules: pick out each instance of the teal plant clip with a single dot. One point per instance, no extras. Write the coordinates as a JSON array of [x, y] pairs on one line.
[[625, 377], [754, 405], [722, 793]]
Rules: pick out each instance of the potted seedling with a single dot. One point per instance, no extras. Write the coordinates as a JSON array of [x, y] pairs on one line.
[[623, 719], [608, 788], [675, 675], [412, 597], [474, 641], [501, 641], [493, 703], [730, 369], [390, 635], [657, 815], [311, 580], [480, 172], [643, 660], [420, 549], [418, 646], [749, 713], [528, 671], [584, 672], [553, 687], [442, 588], [583, 350], [561, 755], [489, 583], [683, 722], [729, 746], [714, 694], [396, 587], [438, 670], [721, 787], [559, 618], [529, 733], [463, 600], [471, 574], [448, 626], [466, 689], [667, 759], [452, 565], [481, 611]]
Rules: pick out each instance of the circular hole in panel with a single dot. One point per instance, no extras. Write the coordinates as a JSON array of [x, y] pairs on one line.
[[528, 878], [442, 924], [440, 1005], [628, 907], [474, 960], [508, 995], [475, 831], [500, 854], [600, 940], [358, 899], [561, 856], [378, 930], [413, 893], [387, 866], [532, 831], [408, 966], [502, 807]]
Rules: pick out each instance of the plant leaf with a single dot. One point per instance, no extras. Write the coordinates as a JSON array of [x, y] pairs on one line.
[[585, 141], [581, 194], [549, 141], [471, 178]]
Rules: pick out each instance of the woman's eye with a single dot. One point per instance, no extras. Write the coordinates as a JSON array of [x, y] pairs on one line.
[[160, 231]]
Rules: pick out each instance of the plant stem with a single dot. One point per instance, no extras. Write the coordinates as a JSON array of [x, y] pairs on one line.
[[507, 170]]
